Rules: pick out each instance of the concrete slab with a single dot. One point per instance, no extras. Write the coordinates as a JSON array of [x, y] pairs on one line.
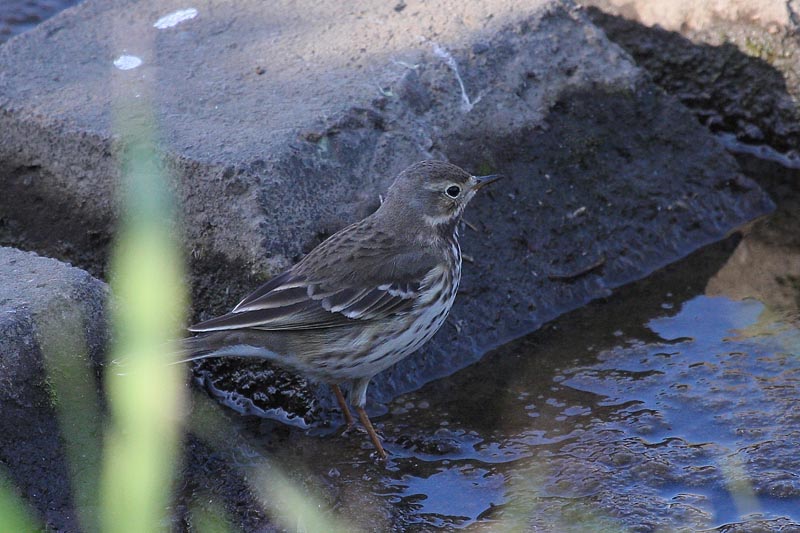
[[282, 124]]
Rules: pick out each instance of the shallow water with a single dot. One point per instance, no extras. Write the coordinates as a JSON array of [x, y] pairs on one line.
[[671, 405], [692, 425]]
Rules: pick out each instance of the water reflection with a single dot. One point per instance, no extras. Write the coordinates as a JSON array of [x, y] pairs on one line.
[[766, 263], [694, 429]]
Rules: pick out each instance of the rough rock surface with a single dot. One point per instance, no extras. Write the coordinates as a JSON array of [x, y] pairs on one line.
[[683, 15], [40, 299], [17, 16], [733, 63], [281, 126]]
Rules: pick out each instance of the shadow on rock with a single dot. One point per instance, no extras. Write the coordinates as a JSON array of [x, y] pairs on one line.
[[741, 80]]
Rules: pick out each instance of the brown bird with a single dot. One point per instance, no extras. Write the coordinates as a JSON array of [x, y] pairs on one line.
[[365, 298]]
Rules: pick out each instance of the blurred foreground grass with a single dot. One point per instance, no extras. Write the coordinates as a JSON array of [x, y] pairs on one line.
[[141, 444]]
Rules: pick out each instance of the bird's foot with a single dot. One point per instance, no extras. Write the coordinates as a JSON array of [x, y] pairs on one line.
[[349, 428]]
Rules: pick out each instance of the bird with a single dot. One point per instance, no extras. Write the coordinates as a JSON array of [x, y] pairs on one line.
[[368, 296]]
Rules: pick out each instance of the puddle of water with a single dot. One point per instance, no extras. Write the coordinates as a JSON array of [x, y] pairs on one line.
[[456, 495], [695, 428]]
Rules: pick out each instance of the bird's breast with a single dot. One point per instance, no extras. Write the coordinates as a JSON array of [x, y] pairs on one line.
[[383, 345]]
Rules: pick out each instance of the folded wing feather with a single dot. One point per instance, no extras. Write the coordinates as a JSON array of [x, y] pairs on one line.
[[292, 301]]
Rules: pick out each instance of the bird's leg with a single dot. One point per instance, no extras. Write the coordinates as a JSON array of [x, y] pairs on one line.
[[358, 396], [362, 414], [348, 418]]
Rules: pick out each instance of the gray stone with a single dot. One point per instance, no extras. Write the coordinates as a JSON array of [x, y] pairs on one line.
[[17, 16], [50, 312], [733, 63], [280, 126], [678, 15]]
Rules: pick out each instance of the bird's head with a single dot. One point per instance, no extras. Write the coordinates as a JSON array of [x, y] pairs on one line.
[[434, 193]]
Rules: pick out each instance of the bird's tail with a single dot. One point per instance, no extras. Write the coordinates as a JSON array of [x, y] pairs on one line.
[[219, 344], [194, 349], [206, 346]]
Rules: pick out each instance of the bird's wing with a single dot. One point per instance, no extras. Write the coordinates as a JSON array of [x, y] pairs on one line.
[[303, 298]]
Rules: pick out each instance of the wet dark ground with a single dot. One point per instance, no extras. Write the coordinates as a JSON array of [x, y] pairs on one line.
[[670, 405]]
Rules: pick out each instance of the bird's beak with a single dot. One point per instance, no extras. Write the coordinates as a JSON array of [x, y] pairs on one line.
[[483, 181]]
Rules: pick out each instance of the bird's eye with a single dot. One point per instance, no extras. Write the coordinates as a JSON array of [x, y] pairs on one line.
[[453, 191]]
